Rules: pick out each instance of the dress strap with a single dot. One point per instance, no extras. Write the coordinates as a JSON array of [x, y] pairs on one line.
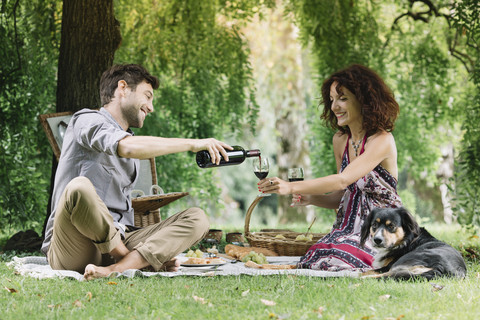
[[346, 146], [363, 144]]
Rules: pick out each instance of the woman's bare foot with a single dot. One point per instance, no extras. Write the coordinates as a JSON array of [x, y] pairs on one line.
[[94, 272], [171, 266]]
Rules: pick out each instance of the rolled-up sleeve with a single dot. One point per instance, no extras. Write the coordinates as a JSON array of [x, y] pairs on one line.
[[98, 136]]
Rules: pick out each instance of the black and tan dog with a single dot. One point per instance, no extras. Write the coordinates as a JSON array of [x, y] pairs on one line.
[[407, 251]]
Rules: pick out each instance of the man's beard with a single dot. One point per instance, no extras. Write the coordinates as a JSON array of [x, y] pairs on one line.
[[132, 116]]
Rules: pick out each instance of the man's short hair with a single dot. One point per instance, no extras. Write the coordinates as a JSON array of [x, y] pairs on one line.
[[133, 74]]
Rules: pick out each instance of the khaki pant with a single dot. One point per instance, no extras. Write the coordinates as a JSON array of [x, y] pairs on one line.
[[84, 232]]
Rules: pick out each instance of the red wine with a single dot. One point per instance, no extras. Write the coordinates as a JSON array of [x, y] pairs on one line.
[[235, 156], [261, 174], [295, 179]]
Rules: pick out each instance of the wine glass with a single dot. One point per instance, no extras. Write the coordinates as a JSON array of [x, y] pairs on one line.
[[261, 168], [295, 174]]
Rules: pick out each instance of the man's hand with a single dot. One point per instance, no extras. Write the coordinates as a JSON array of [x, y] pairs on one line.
[[215, 148]]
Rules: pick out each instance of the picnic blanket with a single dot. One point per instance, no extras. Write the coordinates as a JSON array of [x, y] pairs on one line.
[[37, 267]]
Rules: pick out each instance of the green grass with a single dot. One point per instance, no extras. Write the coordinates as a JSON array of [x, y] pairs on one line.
[[241, 297]]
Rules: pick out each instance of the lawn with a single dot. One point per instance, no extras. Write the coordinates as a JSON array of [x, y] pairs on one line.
[[246, 297]]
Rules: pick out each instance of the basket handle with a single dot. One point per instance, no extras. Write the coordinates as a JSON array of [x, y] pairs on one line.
[[249, 213]]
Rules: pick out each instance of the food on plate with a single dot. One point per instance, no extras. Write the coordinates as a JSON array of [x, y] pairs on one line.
[[255, 257], [193, 260], [254, 265], [238, 252]]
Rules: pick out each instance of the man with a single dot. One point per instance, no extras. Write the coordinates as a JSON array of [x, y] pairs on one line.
[[91, 228]]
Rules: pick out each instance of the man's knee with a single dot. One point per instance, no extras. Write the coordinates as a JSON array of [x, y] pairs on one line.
[[80, 186], [80, 192], [199, 218]]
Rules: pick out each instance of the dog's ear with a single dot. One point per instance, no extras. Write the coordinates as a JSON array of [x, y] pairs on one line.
[[365, 230], [408, 221]]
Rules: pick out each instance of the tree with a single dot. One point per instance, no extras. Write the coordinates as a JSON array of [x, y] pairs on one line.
[[90, 36], [466, 23], [29, 37]]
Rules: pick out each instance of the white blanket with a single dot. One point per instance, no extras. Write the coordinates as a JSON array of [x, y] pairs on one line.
[[37, 267]]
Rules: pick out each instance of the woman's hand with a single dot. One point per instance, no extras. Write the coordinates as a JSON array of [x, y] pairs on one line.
[[274, 185], [300, 200]]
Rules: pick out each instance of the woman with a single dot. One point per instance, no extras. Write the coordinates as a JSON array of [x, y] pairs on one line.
[[362, 109]]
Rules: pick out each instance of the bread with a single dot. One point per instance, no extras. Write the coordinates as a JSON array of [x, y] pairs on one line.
[[238, 252]]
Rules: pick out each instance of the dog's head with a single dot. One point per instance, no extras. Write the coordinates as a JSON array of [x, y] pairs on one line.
[[389, 227]]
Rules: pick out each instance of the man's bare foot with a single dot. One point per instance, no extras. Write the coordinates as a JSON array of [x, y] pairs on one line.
[[94, 272], [171, 266]]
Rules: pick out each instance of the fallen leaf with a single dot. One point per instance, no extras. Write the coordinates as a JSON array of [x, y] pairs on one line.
[[330, 285], [319, 310], [199, 299], [245, 293], [384, 297], [436, 287], [88, 296], [112, 283], [77, 303], [268, 302], [11, 290], [366, 317], [54, 306]]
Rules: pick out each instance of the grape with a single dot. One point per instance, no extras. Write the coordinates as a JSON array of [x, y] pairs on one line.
[[258, 258]]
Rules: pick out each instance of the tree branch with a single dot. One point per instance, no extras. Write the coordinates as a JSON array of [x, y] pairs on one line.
[[424, 16]]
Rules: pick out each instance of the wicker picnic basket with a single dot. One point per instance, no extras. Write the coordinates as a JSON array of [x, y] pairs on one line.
[[283, 247], [146, 209]]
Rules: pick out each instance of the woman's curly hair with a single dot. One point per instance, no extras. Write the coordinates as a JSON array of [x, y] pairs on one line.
[[379, 108]]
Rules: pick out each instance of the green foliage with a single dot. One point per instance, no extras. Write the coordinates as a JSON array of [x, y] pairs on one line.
[[27, 89], [206, 82], [466, 21]]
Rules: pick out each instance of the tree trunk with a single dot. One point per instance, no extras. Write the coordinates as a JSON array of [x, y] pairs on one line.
[[90, 36]]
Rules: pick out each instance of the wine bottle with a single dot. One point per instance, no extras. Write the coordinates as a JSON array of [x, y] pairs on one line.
[[235, 156]]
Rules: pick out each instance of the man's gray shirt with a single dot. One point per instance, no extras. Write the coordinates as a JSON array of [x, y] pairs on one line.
[[90, 150]]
